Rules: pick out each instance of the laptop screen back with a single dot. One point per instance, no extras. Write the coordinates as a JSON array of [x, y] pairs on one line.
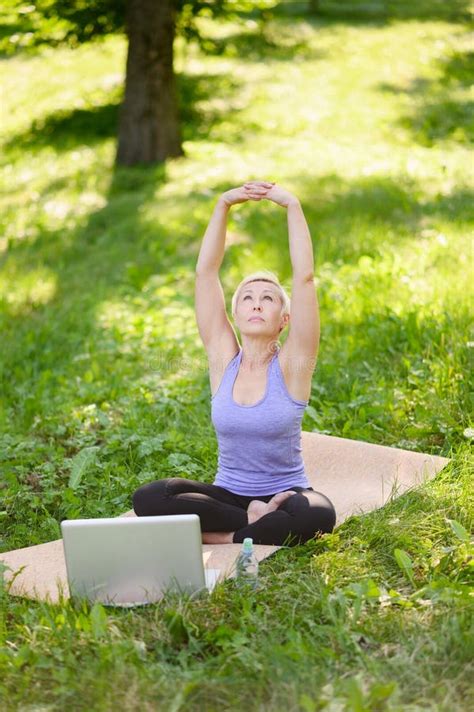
[[133, 560]]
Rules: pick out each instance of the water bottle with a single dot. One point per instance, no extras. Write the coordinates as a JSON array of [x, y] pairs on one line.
[[247, 566]]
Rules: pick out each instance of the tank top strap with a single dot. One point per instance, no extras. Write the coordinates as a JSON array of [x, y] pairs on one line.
[[229, 372]]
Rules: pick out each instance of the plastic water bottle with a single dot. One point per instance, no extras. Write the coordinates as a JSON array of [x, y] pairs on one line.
[[247, 566]]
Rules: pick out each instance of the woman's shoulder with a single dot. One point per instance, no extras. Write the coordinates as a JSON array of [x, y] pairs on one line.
[[297, 371]]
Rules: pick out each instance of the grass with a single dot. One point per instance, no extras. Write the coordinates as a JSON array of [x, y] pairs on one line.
[[103, 379]]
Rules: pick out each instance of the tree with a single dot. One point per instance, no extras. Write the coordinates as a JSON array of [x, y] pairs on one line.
[[149, 128]]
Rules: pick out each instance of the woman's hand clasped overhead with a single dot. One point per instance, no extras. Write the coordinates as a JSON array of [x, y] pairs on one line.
[[256, 190], [259, 190]]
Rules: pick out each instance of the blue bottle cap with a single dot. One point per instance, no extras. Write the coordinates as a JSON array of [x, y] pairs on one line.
[[248, 545]]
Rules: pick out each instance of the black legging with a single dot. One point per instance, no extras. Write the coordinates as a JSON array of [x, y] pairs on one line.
[[295, 521]]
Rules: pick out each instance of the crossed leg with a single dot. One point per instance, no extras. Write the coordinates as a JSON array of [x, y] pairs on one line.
[[255, 511], [228, 518]]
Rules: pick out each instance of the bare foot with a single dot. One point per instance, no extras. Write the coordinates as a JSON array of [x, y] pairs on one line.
[[257, 509], [217, 537]]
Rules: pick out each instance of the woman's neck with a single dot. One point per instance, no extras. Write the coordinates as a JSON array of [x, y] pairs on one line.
[[256, 357]]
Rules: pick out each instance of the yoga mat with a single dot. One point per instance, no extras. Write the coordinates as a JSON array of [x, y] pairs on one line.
[[356, 476]]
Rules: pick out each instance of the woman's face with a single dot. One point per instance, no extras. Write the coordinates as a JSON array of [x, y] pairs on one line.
[[258, 309]]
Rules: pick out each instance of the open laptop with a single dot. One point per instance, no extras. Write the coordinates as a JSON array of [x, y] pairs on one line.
[[129, 561]]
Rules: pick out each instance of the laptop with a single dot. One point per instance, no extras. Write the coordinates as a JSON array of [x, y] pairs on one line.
[[131, 561]]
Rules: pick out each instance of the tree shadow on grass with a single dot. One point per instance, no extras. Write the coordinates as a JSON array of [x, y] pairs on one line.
[[66, 129], [276, 38], [377, 12], [441, 108], [270, 42]]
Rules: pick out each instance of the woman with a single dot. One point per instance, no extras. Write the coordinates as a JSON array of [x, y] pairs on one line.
[[259, 392]]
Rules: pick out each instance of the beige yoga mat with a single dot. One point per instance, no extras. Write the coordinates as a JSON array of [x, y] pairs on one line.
[[356, 476]]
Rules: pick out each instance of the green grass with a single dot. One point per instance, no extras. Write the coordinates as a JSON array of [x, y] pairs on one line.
[[367, 120]]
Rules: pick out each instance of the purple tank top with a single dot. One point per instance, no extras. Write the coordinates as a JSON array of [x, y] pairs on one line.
[[259, 444]]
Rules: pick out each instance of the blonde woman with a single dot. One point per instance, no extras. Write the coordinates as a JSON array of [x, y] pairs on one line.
[[259, 392]]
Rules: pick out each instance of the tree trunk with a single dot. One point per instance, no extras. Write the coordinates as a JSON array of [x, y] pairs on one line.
[[149, 128]]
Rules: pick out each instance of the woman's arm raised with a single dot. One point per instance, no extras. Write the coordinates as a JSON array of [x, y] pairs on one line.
[[302, 343], [213, 244], [214, 327], [301, 248], [212, 249]]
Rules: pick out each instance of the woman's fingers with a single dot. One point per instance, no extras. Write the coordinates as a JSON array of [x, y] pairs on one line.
[[256, 189]]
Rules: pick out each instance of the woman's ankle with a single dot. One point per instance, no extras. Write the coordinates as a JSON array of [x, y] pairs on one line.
[[217, 537]]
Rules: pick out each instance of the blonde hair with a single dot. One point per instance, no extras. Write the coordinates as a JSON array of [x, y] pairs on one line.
[[263, 275]]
